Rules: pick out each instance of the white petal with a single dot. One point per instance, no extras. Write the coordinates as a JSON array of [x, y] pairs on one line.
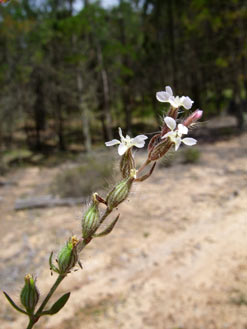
[[120, 133], [189, 141], [169, 134], [139, 138], [186, 102], [139, 144], [113, 142], [183, 130], [162, 96], [177, 144], [174, 102], [138, 141], [169, 90], [170, 122], [122, 149]]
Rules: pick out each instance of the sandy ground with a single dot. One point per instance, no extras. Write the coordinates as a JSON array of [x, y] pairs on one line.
[[177, 259]]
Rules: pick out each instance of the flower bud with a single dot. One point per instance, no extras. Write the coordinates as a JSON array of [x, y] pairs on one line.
[[91, 218], [159, 150], [29, 294], [68, 256], [195, 116], [121, 191], [127, 163]]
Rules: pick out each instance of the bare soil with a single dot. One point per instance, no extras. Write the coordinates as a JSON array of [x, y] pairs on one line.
[[176, 259]]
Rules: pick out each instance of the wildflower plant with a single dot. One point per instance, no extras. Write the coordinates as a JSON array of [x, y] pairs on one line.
[[170, 135]]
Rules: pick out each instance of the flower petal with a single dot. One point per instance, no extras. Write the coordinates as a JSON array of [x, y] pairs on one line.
[[189, 141], [112, 142], [175, 102], [139, 141], [162, 96], [169, 90], [170, 122], [186, 102], [182, 129], [177, 143], [120, 133], [122, 149], [169, 134]]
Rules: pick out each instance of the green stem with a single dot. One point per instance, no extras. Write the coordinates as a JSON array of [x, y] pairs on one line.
[[31, 324], [50, 293]]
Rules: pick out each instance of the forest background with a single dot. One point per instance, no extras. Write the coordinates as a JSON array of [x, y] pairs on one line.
[[72, 71]]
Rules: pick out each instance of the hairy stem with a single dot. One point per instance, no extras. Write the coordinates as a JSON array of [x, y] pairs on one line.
[[31, 324], [50, 293], [143, 166]]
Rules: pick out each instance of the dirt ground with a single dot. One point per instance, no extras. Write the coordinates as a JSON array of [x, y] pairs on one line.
[[177, 259]]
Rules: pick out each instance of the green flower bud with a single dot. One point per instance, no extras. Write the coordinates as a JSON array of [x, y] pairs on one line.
[[127, 163], [91, 218], [29, 294], [121, 191], [68, 256]]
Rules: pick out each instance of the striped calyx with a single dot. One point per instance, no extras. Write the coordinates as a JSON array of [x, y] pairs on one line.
[[159, 150], [68, 256], [29, 294], [127, 163], [121, 191], [91, 218]]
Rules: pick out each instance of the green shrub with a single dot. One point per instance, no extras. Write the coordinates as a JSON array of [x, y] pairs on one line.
[[191, 155], [83, 179], [168, 160]]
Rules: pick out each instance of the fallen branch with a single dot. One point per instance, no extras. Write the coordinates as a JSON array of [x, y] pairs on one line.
[[46, 201]]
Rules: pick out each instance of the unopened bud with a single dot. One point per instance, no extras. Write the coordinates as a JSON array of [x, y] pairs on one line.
[[68, 256], [127, 163], [195, 116], [91, 218], [121, 191], [29, 294]]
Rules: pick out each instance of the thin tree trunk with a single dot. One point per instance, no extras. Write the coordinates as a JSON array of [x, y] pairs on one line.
[[172, 43], [107, 118], [84, 113], [60, 124]]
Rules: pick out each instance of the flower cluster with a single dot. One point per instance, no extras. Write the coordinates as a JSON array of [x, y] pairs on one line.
[[174, 133], [126, 142], [167, 97]]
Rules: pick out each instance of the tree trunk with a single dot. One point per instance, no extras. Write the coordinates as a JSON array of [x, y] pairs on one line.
[[172, 43], [84, 114], [60, 125], [106, 117]]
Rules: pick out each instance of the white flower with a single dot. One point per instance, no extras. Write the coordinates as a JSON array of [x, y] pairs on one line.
[[176, 134], [127, 142], [167, 96]]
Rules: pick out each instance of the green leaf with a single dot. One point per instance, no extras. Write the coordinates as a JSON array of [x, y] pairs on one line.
[[13, 304], [108, 229], [52, 267], [58, 305]]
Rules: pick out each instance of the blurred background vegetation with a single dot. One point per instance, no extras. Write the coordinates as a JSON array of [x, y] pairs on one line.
[[72, 71]]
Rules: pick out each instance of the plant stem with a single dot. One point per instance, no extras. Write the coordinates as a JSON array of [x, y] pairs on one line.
[[143, 166], [50, 293], [31, 324]]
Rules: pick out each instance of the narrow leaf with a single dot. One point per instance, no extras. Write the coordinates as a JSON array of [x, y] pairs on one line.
[[52, 267], [58, 305], [108, 229], [13, 304]]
